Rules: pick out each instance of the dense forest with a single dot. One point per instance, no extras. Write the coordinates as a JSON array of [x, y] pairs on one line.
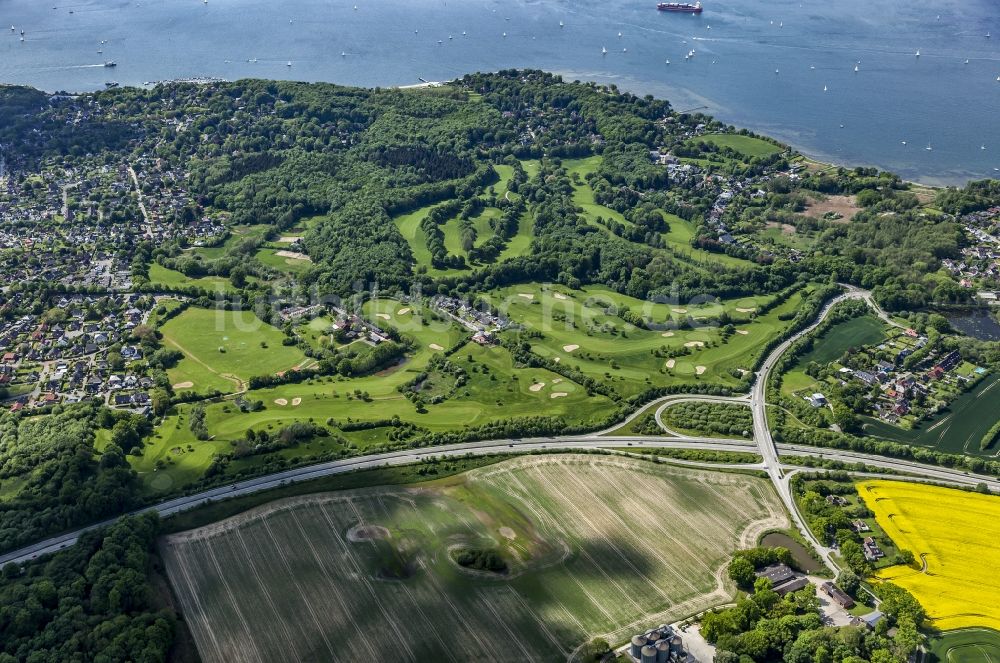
[[91, 602]]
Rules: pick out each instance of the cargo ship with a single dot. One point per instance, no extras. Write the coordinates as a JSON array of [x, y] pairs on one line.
[[679, 7]]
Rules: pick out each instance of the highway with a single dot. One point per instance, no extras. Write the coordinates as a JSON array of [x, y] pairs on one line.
[[762, 442]]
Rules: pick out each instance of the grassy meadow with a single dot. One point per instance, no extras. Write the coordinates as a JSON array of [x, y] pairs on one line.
[[580, 329], [222, 349], [495, 389]]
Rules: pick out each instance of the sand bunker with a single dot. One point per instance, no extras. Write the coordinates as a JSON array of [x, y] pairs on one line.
[[671, 363], [559, 295], [556, 360], [742, 331], [570, 348], [679, 310], [538, 386], [384, 316], [435, 346], [292, 255], [667, 334], [183, 385], [403, 311], [699, 369], [557, 381], [296, 401], [288, 239], [526, 295], [694, 344], [360, 533], [746, 310], [558, 394], [507, 533], [281, 401]]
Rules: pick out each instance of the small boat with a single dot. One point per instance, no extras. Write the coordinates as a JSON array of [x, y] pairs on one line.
[[110, 63], [111, 84], [604, 51], [505, 35], [624, 50], [855, 69], [343, 54], [966, 61], [289, 64], [776, 72], [903, 142], [982, 147], [668, 62], [918, 52], [619, 35], [561, 24], [987, 34], [685, 7], [824, 88], [812, 66]]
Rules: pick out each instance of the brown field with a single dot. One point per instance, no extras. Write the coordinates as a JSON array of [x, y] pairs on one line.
[[595, 545], [843, 205]]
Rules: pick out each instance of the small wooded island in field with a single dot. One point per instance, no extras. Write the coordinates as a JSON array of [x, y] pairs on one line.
[[219, 299]]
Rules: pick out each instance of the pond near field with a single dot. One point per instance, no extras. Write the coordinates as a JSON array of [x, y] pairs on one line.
[[978, 323], [800, 554]]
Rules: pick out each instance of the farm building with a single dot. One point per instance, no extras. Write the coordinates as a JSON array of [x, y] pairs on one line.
[[783, 579], [837, 594]]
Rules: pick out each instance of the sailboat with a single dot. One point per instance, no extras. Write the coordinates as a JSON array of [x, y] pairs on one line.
[[561, 24], [918, 52], [604, 51], [855, 69], [824, 88], [928, 148]]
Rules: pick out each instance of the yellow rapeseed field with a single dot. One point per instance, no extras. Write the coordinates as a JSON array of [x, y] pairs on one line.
[[956, 535]]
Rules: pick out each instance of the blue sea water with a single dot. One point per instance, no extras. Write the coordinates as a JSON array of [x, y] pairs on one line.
[[758, 64]]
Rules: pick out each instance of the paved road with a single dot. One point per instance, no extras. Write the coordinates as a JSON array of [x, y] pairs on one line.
[[763, 443]]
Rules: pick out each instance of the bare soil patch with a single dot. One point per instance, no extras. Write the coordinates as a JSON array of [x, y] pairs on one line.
[[292, 255], [845, 206]]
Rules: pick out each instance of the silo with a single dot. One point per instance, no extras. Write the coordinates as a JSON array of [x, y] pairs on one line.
[[653, 636], [677, 644], [662, 651], [648, 654], [638, 642]]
